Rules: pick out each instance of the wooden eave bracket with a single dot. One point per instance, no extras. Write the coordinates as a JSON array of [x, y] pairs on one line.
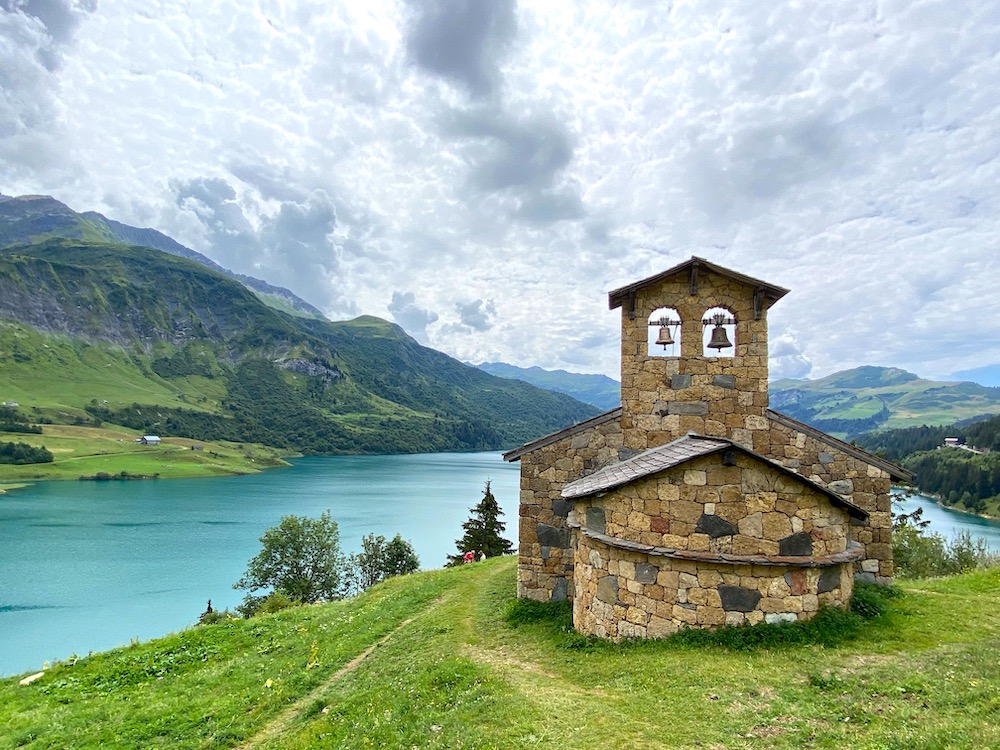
[[693, 275]]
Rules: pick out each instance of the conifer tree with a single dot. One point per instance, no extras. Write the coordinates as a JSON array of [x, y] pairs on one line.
[[483, 531]]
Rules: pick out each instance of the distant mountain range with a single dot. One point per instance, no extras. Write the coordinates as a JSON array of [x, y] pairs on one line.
[[855, 401], [845, 404], [30, 219], [93, 329], [597, 390]]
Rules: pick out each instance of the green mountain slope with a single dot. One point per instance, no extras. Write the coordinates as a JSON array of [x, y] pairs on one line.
[[98, 331], [30, 219], [855, 401], [598, 390]]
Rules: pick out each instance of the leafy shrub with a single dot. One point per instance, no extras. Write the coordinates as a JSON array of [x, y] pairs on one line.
[[379, 560], [872, 600], [216, 616], [22, 453], [301, 559], [265, 605], [918, 554]]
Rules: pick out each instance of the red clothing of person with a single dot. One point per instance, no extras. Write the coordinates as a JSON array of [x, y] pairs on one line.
[[470, 556]]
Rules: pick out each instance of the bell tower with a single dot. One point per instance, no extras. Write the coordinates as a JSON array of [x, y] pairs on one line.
[[716, 384]]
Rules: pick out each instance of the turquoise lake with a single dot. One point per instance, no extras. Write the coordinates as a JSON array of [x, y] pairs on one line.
[[87, 566]]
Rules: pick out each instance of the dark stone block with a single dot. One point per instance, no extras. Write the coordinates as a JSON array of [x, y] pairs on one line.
[[865, 577], [796, 544], [560, 590], [596, 520], [738, 599], [826, 458], [829, 580], [680, 381], [561, 508], [607, 590], [688, 408], [624, 454], [859, 521], [724, 381], [551, 536], [646, 573], [714, 526]]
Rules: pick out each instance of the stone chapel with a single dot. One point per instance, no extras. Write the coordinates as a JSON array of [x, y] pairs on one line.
[[694, 504]]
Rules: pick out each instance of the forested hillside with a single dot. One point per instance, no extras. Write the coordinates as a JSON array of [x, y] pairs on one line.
[[96, 332], [964, 477]]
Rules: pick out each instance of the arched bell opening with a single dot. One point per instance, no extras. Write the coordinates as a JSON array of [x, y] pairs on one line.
[[719, 333], [664, 335]]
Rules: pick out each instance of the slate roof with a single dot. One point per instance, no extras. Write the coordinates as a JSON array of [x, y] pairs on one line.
[[678, 452], [645, 464]]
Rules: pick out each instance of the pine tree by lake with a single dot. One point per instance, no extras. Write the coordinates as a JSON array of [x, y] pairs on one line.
[[87, 566]]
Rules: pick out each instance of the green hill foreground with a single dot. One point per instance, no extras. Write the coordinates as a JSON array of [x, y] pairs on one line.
[[434, 660]]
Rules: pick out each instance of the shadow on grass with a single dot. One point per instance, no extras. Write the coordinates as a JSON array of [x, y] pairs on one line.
[[830, 627]]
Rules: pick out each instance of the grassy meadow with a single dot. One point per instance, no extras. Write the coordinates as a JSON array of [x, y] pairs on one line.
[[447, 659], [87, 451]]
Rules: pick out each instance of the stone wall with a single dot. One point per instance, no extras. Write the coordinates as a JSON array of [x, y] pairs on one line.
[[746, 509], [624, 593], [718, 540], [864, 484], [545, 554], [664, 398]]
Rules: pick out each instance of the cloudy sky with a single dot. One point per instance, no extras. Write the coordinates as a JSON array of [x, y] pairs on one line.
[[483, 172]]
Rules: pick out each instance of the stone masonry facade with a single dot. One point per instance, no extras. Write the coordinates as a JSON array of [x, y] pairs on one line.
[[708, 544], [665, 398]]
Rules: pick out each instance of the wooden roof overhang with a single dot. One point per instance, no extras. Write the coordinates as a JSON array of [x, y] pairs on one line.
[[763, 291]]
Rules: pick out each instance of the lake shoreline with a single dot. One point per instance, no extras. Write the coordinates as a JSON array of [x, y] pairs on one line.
[[936, 499], [90, 566]]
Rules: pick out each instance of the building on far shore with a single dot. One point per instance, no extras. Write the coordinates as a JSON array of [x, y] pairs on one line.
[[694, 504]]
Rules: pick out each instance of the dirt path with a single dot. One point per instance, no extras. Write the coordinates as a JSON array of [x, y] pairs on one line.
[[285, 719], [459, 596]]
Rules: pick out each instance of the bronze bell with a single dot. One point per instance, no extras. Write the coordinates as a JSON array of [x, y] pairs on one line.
[[719, 338], [665, 339]]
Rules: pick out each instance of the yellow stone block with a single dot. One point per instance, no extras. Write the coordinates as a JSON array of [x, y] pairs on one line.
[[686, 511], [698, 543], [685, 615], [711, 616]]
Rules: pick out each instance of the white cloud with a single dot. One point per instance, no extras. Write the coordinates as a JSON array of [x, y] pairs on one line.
[[484, 173]]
